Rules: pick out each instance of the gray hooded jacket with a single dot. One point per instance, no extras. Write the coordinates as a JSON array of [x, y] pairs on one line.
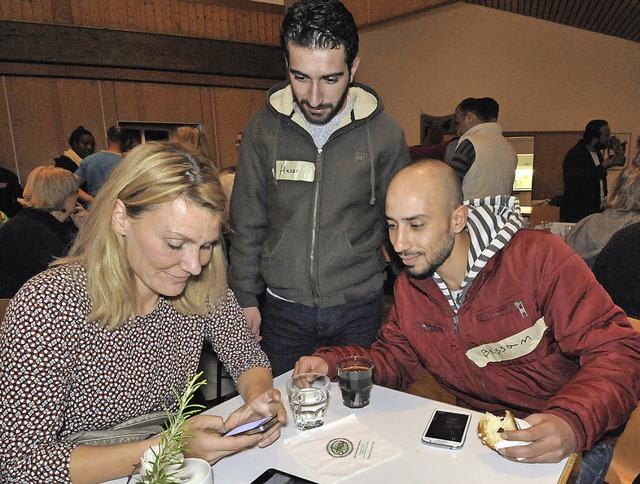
[[309, 224]]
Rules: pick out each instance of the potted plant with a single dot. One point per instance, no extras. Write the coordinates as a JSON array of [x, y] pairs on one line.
[[164, 463]]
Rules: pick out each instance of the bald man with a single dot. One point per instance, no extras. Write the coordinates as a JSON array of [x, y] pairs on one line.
[[504, 319]]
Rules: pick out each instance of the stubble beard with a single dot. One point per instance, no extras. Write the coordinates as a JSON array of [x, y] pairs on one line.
[[334, 109]]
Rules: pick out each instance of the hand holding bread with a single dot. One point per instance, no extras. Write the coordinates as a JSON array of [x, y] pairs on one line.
[[551, 438]]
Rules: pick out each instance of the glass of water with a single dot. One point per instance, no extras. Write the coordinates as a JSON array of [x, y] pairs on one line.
[[308, 397]]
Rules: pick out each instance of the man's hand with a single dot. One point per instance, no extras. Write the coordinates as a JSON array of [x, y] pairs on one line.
[[552, 439], [267, 403], [253, 317], [311, 364]]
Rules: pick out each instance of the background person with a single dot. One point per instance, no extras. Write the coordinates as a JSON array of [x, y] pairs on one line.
[[10, 192], [194, 139], [502, 318], [621, 209], [307, 212], [584, 172], [82, 144], [617, 269], [484, 159], [143, 286], [96, 168], [42, 231]]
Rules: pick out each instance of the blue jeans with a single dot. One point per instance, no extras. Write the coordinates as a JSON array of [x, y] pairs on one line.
[[595, 464], [290, 330]]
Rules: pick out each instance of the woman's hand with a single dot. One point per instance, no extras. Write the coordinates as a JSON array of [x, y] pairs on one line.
[[208, 443], [265, 404]]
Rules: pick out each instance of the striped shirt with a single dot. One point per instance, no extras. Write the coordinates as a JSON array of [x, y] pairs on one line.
[[491, 223]]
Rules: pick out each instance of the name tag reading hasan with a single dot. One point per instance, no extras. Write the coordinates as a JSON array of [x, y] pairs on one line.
[[510, 348], [295, 170]]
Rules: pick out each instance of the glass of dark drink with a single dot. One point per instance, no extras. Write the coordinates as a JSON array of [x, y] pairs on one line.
[[355, 375]]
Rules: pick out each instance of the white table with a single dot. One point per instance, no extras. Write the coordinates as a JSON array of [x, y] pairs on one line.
[[400, 418]]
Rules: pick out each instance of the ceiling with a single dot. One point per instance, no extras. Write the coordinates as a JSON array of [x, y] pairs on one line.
[[618, 18]]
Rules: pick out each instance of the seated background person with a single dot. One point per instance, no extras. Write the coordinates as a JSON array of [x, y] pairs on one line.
[[621, 208], [617, 269], [502, 318], [40, 232], [107, 334]]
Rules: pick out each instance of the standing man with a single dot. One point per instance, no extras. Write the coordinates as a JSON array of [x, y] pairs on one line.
[[96, 168], [307, 209], [584, 172], [483, 159], [504, 319]]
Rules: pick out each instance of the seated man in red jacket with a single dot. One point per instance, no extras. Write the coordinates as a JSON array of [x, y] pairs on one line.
[[504, 319]]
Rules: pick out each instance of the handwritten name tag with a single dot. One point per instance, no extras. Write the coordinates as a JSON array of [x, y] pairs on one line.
[[520, 344], [295, 170]]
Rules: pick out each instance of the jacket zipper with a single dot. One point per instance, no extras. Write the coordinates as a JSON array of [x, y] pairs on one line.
[[455, 323], [313, 259], [520, 306]]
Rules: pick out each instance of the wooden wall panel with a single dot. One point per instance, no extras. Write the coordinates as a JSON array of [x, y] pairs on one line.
[[45, 111], [7, 158], [233, 110], [549, 151], [158, 103], [237, 20]]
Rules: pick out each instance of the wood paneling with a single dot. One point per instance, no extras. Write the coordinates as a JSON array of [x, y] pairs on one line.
[[244, 21], [22, 42], [549, 149], [45, 111], [233, 109], [158, 103]]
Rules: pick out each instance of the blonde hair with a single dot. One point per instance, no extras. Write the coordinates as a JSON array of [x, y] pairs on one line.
[[48, 187], [151, 174], [625, 193], [193, 139]]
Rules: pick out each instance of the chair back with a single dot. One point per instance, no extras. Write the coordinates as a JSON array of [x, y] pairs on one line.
[[4, 303]]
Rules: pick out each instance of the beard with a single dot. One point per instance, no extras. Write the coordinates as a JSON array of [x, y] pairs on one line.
[[304, 106], [439, 257]]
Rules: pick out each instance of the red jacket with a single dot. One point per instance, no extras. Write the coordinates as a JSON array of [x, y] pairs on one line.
[[585, 368]]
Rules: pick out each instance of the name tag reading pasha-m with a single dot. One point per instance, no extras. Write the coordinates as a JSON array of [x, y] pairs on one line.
[[510, 348], [295, 170]]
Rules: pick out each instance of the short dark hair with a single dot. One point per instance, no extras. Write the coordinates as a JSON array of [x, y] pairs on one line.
[[116, 134], [486, 108], [320, 24], [592, 129], [78, 133]]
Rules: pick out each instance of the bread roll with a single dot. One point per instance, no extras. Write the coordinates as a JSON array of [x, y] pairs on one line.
[[490, 428]]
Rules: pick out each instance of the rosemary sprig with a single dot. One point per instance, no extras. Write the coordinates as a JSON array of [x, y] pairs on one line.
[[167, 458]]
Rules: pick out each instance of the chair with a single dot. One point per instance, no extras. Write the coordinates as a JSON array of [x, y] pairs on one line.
[[4, 303], [625, 465], [540, 213]]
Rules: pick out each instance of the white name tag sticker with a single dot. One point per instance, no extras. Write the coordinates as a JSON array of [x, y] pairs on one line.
[[295, 170], [510, 348]]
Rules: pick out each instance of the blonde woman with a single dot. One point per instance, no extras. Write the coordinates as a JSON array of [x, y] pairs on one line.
[[193, 139], [621, 209], [40, 232], [106, 334]]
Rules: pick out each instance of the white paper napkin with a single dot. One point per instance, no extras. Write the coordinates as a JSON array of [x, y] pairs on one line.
[[503, 444], [339, 450]]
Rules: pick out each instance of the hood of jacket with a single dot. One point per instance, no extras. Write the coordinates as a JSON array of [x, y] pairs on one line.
[[491, 223]]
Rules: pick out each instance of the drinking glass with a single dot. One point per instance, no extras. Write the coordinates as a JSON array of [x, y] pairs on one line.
[[355, 374], [308, 397]]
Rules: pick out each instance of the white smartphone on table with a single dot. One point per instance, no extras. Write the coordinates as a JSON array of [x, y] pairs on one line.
[[447, 428]]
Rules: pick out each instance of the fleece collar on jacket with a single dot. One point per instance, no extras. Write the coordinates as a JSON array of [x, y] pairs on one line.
[[491, 223], [365, 103]]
